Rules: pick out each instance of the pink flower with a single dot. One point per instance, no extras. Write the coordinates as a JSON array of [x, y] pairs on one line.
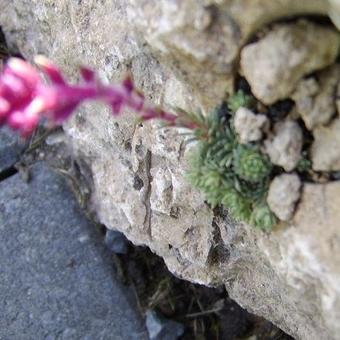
[[25, 99], [18, 88]]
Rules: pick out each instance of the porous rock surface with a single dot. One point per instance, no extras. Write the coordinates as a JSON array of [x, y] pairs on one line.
[[284, 192], [325, 148], [315, 99], [274, 64], [249, 126], [183, 53], [284, 147]]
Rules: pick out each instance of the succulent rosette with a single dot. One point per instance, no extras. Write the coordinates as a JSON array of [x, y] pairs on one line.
[[250, 164]]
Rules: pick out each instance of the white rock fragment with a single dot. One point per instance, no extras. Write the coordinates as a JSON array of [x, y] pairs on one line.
[[325, 149], [284, 192], [56, 137], [249, 126], [274, 65], [284, 147], [315, 101]]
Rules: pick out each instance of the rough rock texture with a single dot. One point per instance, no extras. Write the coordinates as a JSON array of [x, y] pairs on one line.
[[318, 216], [138, 170], [249, 125], [316, 101], [284, 192], [10, 148], [325, 149], [57, 279], [274, 64], [334, 12], [284, 147]]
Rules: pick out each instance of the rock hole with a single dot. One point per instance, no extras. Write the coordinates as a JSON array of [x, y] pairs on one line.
[[137, 183], [175, 212], [128, 146]]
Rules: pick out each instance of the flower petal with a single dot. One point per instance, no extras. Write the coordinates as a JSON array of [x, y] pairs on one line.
[[24, 71], [60, 115], [87, 74], [51, 69]]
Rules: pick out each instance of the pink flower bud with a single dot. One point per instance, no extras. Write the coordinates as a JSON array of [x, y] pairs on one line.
[[25, 99], [50, 69], [24, 71]]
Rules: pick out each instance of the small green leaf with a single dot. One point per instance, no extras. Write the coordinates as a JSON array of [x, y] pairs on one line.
[[239, 99], [262, 217]]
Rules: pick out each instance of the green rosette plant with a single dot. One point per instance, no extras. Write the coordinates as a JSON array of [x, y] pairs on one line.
[[231, 174], [250, 164]]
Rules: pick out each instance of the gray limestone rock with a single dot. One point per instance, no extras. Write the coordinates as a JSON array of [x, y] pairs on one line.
[[316, 101], [57, 280], [11, 147], [274, 64], [284, 192], [249, 126], [284, 147], [325, 152]]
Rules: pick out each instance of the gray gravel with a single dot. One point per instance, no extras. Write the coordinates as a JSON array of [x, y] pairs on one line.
[[56, 277]]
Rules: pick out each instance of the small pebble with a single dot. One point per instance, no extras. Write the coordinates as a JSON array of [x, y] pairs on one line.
[[116, 242], [285, 146], [160, 328], [284, 192]]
